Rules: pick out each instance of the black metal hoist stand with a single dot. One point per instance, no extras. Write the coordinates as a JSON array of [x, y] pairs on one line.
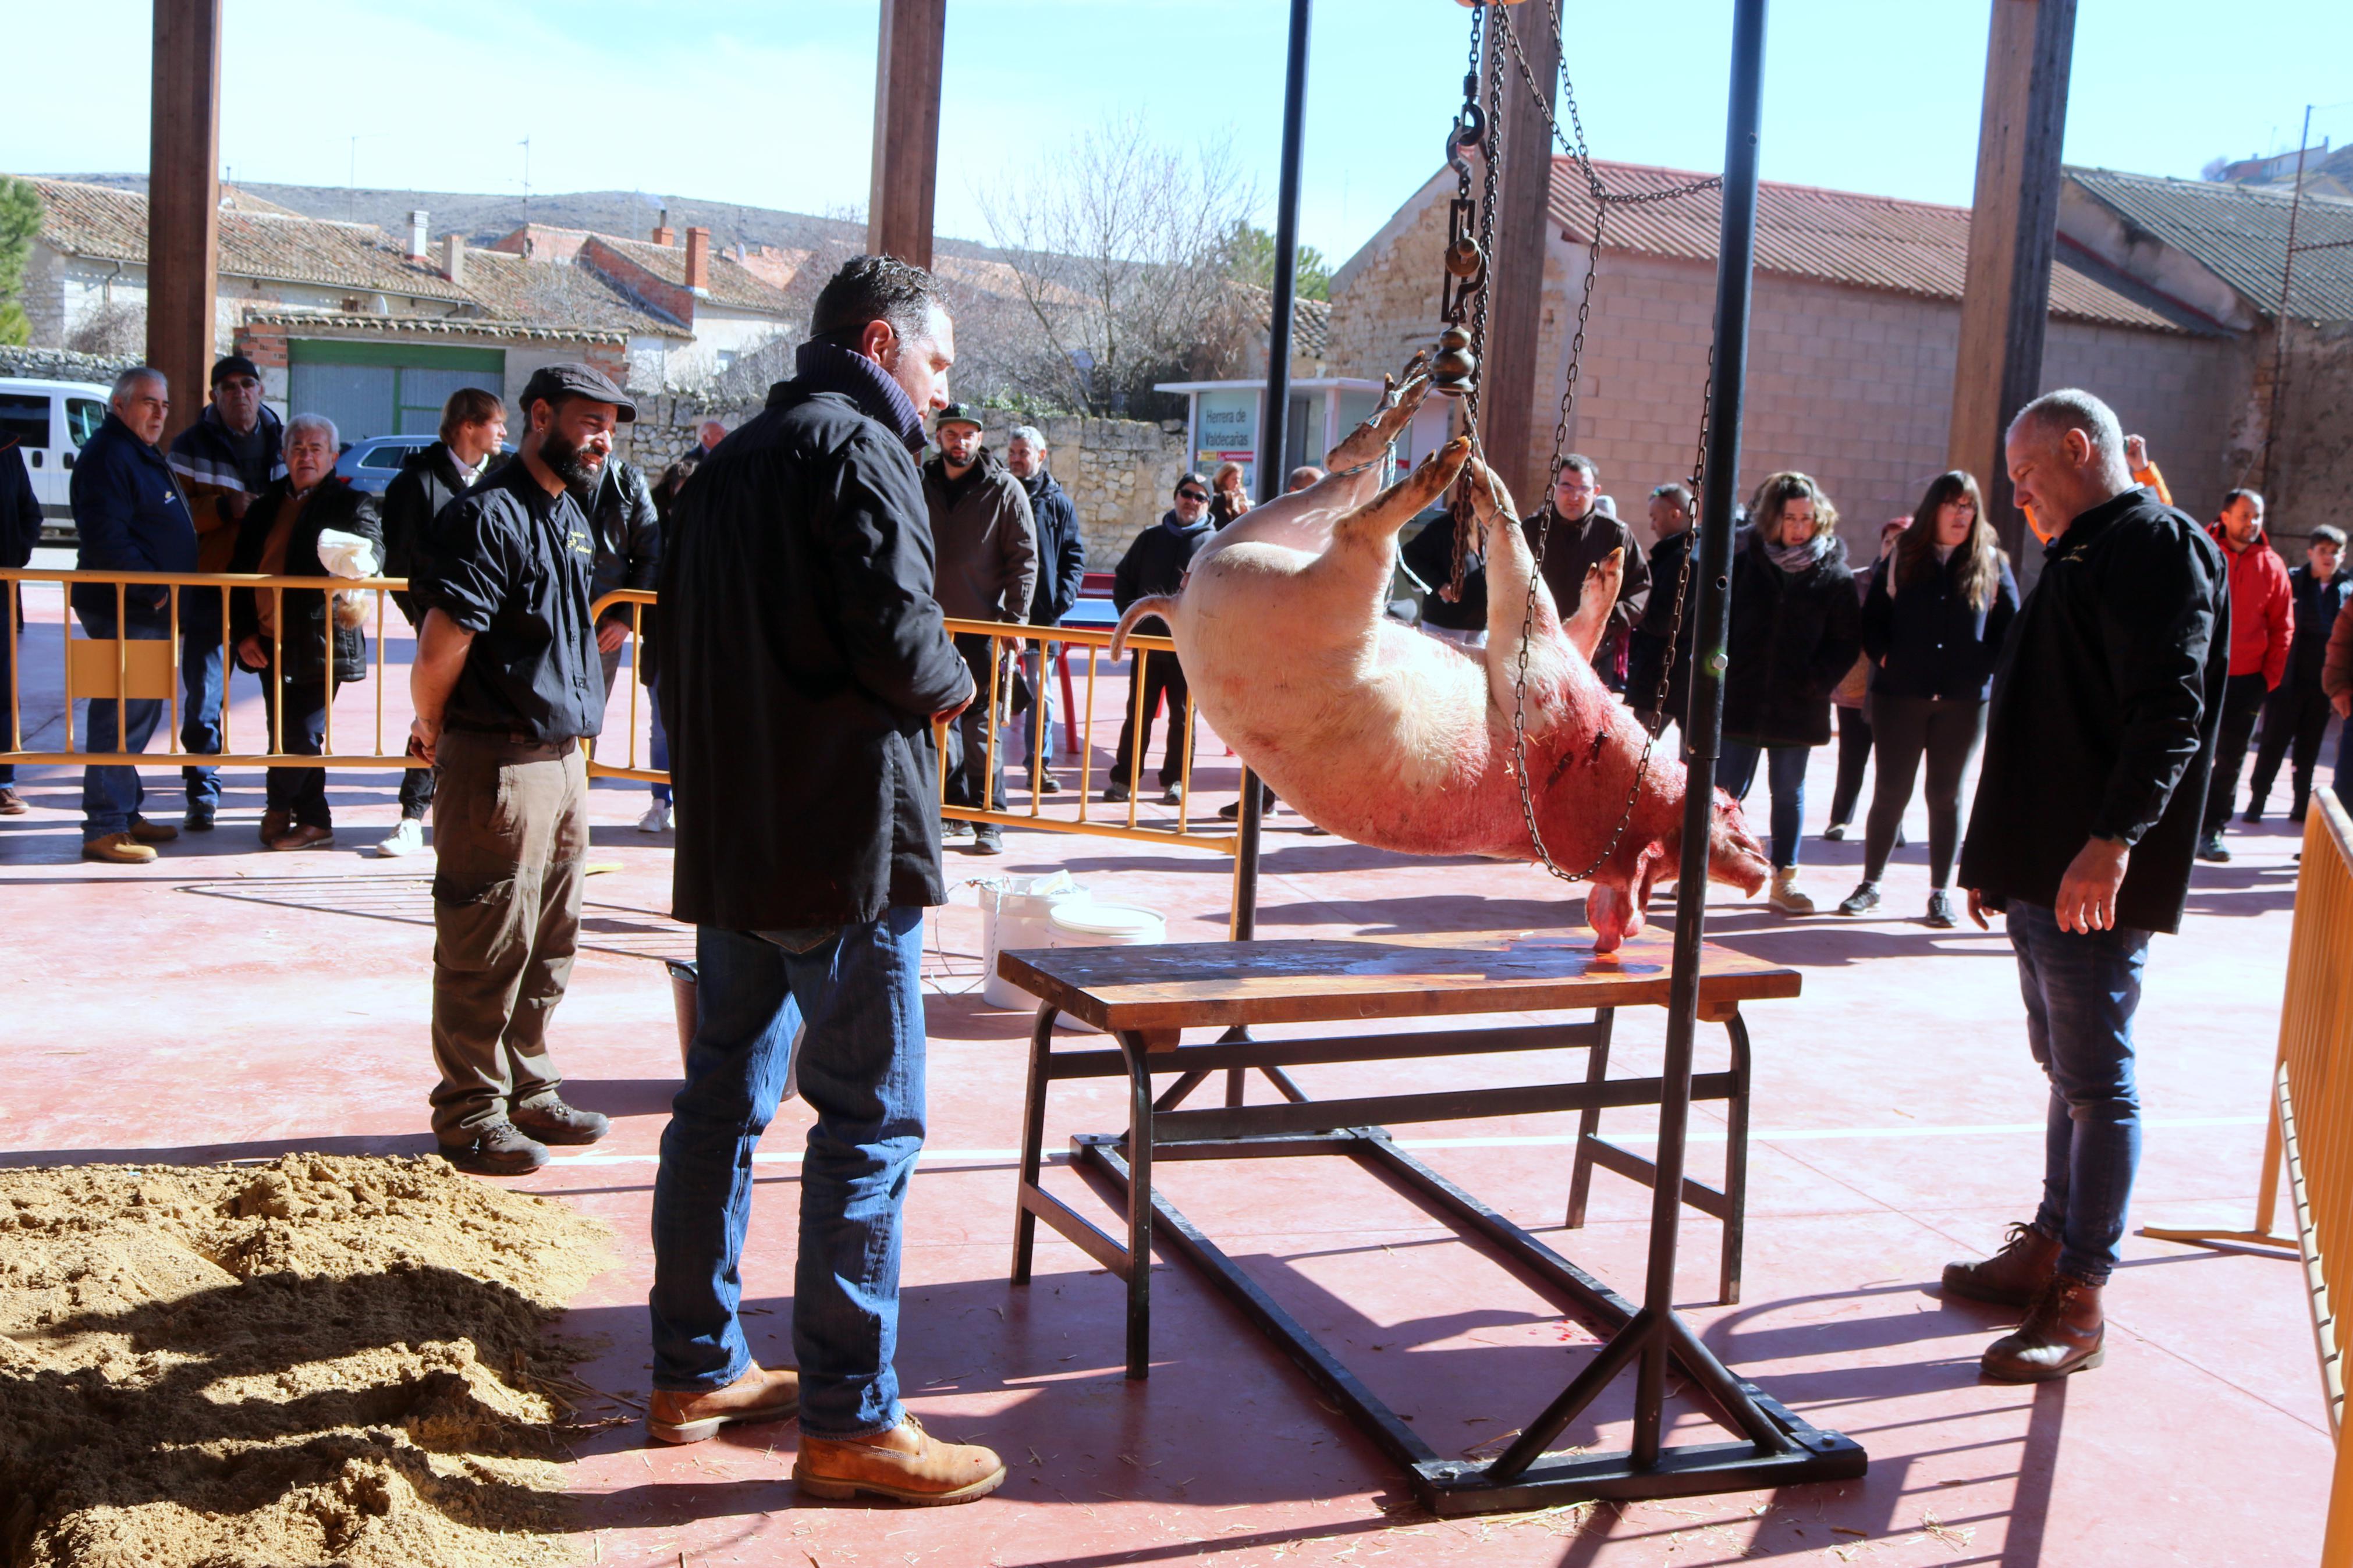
[[1774, 1448]]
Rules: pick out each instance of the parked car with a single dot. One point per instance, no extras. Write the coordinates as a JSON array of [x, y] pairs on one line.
[[51, 420], [371, 464]]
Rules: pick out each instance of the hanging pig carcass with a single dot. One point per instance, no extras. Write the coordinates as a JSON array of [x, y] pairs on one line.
[[1399, 741]]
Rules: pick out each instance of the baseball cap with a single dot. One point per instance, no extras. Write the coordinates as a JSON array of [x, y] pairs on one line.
[[553, 383], [233, 364], [957, 414]]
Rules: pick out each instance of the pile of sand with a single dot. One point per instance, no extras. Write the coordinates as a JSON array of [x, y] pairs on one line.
[[319, 1360]]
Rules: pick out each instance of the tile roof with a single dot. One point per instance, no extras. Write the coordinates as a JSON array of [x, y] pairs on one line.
[[439, 326], [733, 285], [2240, 233], [1311, 322], [550, 294], [101, 222], [1838, 237]]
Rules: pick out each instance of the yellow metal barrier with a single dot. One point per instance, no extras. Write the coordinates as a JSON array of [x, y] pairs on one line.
[[2311, 1130], [130, 670], [123, 670]]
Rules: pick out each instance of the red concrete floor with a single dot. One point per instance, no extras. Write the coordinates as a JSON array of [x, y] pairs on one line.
[[228, 1002]]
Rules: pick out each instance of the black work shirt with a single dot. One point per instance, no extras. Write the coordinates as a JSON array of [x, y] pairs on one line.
[[511, 564]]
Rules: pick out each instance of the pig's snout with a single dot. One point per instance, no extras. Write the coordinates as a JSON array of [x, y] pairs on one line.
[[1734, 855]]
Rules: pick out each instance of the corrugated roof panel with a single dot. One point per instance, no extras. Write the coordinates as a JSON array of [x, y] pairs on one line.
[[1836, 237], [2240, 236]]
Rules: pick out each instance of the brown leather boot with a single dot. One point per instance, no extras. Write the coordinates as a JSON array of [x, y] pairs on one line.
[[758, 1395], [275, 826], [2063, 1332], [905, 1464], [2011, 1277]]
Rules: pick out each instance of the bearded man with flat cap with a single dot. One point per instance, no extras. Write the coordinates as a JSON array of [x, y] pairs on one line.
[[507, 684]]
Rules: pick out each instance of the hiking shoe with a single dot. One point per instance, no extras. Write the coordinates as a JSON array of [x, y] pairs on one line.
[[758, 1395], [406, 838], [1786, 896], [2011, 1277], [988, 841], [655, 819], [309, 836], [498, 1149], [1172, 794], [2212, 848], [1940, 909], [148, 832], [2065, 1331], [1114, 793], [1049, 784], [1864, 898], [11, 802], [551, 1121], [905, 1464], [199, 819], [117, 849], [954, 827]]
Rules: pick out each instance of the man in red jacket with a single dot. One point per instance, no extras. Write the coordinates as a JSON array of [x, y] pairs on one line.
[[2263, 630]]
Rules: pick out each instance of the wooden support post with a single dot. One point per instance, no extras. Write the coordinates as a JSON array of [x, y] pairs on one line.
[[906, 130], [184, 200], [1516, 302], [2013, 228]]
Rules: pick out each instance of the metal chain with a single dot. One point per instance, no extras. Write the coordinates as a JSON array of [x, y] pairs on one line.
[[1492, 156], [1603, 199]]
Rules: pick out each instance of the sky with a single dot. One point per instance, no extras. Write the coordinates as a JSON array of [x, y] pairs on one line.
[[769, 102]]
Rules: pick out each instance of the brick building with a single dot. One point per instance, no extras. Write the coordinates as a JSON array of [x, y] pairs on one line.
[[1856, 315]]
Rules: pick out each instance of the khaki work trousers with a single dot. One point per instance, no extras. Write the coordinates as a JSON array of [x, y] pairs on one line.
[[511, 832]]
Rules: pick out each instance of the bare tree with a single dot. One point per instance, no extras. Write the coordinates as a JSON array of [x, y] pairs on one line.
[[1119, 247], [115, 329]]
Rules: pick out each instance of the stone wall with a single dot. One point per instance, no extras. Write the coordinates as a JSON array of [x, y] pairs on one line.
[[62, 364], [1120, 472]]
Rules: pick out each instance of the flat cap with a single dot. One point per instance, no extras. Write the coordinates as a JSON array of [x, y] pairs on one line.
[[553, 383]]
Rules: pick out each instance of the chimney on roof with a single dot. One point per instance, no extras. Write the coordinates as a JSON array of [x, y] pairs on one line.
[[663, 233], [698, 261], [453, 259], [419, 244]]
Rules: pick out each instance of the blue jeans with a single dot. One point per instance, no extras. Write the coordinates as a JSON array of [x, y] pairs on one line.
[[2081, 991], [203, 677], [1038, 664], [661, 758], [111, 797], [858, 990], [1785, 775]]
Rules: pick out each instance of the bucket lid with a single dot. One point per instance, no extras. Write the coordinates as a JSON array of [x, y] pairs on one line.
[[1090, 919]]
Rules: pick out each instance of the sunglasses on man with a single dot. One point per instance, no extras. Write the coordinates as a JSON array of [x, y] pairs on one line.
[[1192, 495]]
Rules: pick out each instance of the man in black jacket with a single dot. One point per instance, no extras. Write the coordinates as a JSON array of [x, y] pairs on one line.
[[1580, 537], [20, 531], [1658, 680], [1156, 564], [292, 638], [473, 428], [2098, 745], [987, 554], [1062, 569], [803, 664]]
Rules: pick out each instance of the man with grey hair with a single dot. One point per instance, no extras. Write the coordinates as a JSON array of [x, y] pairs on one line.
[[2098, 743], [299, 642], [1061, 568], [130, 515]]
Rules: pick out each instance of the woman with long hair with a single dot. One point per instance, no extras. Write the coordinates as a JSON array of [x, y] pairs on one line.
[[1228, 499], [1794, 635], [1932, 627]]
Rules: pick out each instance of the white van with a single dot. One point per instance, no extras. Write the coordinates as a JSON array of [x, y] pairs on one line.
[[50, 421]]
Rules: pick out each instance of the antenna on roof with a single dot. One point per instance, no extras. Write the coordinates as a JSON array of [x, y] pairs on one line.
[[525, 145]]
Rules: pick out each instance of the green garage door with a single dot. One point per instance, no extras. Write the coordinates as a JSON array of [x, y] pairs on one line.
[[384, 389]]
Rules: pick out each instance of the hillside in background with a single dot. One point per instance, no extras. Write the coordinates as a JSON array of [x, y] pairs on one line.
[[483, 218]]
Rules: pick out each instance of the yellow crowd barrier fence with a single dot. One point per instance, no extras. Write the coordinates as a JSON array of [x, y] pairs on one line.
[[2311, 1127], [123, 670]]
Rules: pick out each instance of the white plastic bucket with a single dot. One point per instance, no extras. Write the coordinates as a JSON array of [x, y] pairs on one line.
[[1085, 923], [1016, 912]]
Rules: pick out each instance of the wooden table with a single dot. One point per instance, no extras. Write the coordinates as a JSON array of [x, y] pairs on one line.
[[1144, 997]]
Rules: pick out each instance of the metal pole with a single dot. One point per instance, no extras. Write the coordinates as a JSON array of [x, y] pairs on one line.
[[2279, 322], [1278, 404], [1704, 725]]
